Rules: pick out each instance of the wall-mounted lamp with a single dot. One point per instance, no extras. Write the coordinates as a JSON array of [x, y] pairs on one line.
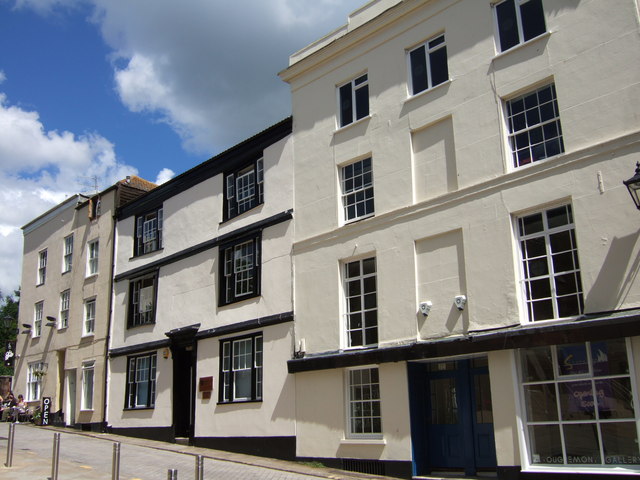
[[27, 327], [51, 321], [633, 185], [8, 322]]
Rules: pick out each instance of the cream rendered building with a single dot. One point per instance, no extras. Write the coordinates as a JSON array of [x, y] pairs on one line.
[[203, 306], [65, 301], [465, 252]]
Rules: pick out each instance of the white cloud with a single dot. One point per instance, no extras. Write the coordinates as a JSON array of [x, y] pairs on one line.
[[164, 175], [38, 169]]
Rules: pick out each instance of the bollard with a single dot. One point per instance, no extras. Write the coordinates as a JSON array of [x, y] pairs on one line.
[[172, 474], [56, 456], [199, 467], [115, 463], [12, 429]]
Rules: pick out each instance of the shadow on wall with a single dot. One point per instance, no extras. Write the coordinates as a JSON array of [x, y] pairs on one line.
[[616, 277]]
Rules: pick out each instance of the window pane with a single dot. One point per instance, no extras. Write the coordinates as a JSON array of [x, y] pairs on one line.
[[609, 357], [537, 364], [532, 19], [620, 443], [242, 384], [438, 64], [418, 62], [614, 398], [507, 25], [572, 359], [541, 402], [546, 446], [576, 400], [581, 442], [346, 107], [362, 102]]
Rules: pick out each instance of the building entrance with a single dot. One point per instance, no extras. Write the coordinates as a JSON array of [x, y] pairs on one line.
[[451, 416]]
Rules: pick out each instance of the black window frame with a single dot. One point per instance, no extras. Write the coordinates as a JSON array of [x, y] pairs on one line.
[[131, 389], [353, 100], [232, 207], [140, 247], [227, 377], [518, 21], [135, 285], [229, 278], [428, 68]]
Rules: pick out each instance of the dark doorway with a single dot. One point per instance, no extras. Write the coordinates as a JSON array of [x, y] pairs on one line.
[[184, 354], [451, 416]]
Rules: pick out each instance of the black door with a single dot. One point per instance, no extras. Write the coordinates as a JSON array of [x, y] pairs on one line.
[[184, 389]]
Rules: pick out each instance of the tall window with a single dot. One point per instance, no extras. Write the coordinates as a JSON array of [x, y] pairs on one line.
[[42, 267], [578, 405], [240, 270], [241, 369], [534, 126], [361, 303], [34, 381], [87, 385], [149, 232], [365, 417], [428, 65], [551, 282], [141, 381], [354, 100], [37, 319], [142, 300], [67, 254], [92, 257], [244, 189], [64, 309], [519, 21], [88, 327], [357, 190]]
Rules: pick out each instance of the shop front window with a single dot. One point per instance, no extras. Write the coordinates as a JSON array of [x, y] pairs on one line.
[[578, 405]]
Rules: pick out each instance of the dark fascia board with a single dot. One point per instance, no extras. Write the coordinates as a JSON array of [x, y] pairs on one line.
[[246, 325], [245, 151], [605, 326], [139, 348], [209, 333], [201, 247]]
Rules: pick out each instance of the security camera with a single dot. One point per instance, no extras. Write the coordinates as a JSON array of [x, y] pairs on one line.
[[460, 301], [425, 308]]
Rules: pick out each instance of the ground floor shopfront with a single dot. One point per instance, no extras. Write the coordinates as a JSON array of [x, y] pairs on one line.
[[545, 401]]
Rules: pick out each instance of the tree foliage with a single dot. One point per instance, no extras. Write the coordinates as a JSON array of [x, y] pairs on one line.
[[8, 309]]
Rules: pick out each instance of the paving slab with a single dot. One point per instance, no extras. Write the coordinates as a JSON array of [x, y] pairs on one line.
[[88, 456]]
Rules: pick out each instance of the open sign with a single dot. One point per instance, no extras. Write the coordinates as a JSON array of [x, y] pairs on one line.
[[46, 410]]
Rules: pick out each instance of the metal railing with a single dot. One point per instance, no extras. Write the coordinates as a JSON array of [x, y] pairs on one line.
[[172, 473]]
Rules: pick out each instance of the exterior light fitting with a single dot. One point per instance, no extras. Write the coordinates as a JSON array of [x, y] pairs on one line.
[[633, 185]]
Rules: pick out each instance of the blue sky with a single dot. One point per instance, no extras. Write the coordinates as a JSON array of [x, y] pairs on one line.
[[109, 88]]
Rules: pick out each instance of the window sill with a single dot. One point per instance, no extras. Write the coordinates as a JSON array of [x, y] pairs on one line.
[[239, 402], [359, 219], [499, 55], [88, 335], [146, 253], [227, 220], [140, 325], [428, 91], [238, 300], [136, 409], [91, 276], [352, 124], [363, 441]]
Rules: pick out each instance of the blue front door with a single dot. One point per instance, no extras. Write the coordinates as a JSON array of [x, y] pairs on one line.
[[454, 431]]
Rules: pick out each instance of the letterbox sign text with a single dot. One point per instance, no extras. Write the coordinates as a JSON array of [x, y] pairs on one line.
[[46, 410]]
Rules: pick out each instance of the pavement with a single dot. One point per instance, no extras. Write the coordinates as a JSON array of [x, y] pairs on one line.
[[89, 456]]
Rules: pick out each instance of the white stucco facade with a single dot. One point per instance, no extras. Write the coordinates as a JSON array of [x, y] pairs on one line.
[[192, 316], [447, 199]]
